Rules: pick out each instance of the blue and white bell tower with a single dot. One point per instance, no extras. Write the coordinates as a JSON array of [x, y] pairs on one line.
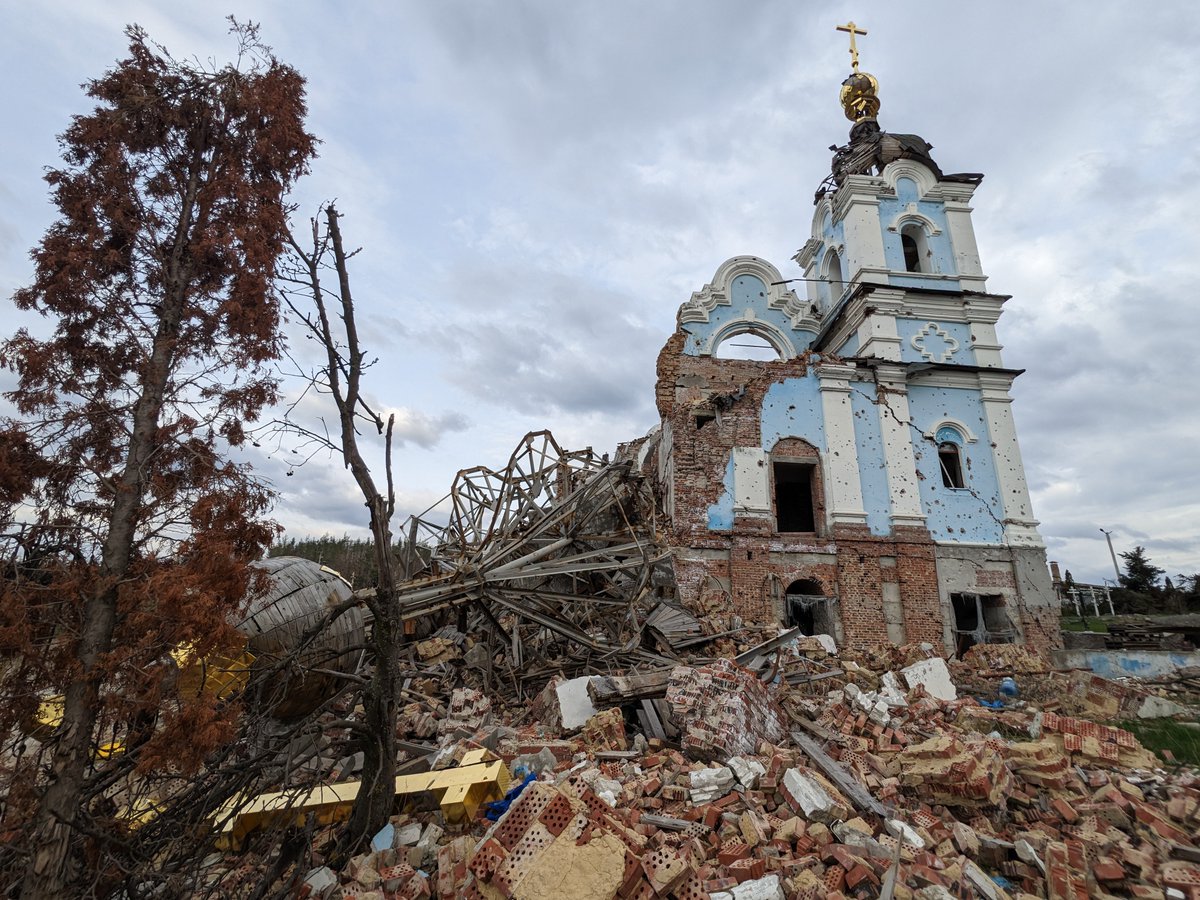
[[886, 411]]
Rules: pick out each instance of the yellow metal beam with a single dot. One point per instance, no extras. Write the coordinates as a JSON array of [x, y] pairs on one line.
[[459, 791]]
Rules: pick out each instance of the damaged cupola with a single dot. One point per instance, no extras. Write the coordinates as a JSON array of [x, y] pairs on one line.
[[844, 458]]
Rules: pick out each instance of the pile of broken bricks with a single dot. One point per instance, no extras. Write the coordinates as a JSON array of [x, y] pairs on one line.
[[893, 788]]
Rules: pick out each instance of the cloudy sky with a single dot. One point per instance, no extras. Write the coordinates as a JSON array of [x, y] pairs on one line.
[[537, 186]]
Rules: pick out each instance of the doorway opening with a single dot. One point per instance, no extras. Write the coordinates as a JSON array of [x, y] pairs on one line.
[[794, 510]]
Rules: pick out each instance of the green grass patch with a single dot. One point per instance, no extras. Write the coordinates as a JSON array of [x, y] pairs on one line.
[[1084, 623], [1182, 739]]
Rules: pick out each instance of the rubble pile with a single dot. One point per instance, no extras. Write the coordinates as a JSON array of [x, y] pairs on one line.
[[889, 783], [568, 729]]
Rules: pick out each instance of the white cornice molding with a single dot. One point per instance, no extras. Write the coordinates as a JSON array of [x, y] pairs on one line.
[[779, 296], [858, 189], [910, 168], [953, 192], [807, 254], [910, 213], [930, 434]]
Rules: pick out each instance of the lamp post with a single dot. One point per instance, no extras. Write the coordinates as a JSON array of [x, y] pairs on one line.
[[1112, 553]]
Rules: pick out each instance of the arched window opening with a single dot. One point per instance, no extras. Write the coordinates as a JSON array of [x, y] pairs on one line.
[[833, 275], [746, 345], [912, 256], [950, 458], [916, 248]]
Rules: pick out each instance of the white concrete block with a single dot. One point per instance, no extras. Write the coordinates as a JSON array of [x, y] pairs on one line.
[[827, 641], [321, 882], [807, 793], [765, 888], [711, 784], [408, 835], [903, 832], [747, 771], [574, 703], [933, 674]]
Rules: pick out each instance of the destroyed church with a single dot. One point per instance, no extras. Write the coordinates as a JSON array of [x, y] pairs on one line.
[[860, 474]]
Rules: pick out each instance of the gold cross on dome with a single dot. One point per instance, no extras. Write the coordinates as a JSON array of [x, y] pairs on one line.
[[852, 29]]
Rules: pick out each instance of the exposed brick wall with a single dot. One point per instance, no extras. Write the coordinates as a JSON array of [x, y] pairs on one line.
[[992, 578]]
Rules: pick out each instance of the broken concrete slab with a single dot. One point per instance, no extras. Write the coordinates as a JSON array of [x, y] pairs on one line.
[[747, 771], [574, 704], [932, 675], [808, 796], [711, 784]]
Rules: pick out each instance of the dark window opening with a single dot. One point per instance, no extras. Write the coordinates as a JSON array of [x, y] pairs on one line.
[[703, 419], [950, 458], [980, 620], [808, 608], [794, 497], [912, 253]]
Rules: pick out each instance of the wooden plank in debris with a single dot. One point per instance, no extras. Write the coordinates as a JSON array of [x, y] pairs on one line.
[[674, 623], [656, 728], [666, 823], [664, 716], [644, 722], [823, 733], [610, 690], [834, 771], [766, 647], [616, 755]]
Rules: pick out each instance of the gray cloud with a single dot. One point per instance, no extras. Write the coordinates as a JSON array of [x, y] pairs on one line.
[[537, 187]]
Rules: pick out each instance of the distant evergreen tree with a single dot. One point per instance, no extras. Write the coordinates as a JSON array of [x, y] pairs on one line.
[[1141, 576]]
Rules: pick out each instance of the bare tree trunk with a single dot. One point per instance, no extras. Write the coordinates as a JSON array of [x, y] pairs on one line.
[[344, 374]]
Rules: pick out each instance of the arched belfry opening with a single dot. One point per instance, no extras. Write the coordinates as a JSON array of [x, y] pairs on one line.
[[748, 345], [915, 243]]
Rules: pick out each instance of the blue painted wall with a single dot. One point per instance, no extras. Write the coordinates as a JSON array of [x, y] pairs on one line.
[[959, 331], [872, 470], [792, 408], [972, 514], [850, 347], [720, 514], [942, 261], [746, 292]]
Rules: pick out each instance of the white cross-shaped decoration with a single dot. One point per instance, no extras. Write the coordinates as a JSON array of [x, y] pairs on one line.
[[932, 328]]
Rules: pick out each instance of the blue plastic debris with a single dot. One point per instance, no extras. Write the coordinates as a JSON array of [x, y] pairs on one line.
[[990, 704], [1009, 689], [497, 808], [384, 838]]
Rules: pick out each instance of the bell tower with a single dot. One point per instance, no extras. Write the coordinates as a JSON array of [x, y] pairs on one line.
[[895, 277]]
